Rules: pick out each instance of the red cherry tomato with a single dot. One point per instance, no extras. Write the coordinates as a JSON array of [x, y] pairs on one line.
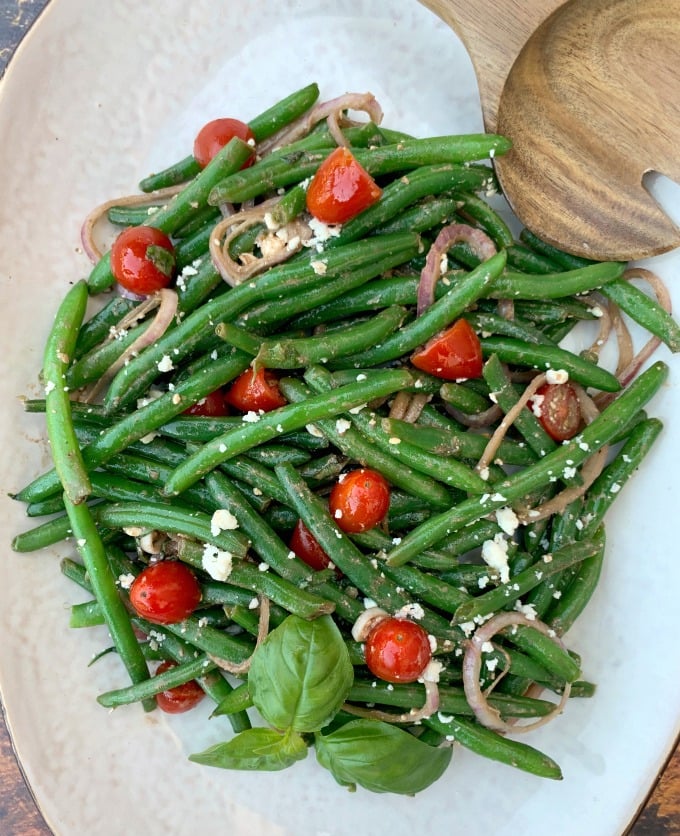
[[306, 547], [255, 391], [397, 650], [359, 500], [181, 698], [165, 592], [143, 259], [341, 189], [213, 405], [558, 409], [216, 134], [454, 354]]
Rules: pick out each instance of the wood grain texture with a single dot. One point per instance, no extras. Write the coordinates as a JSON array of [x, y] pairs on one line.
[[591, 105], [19, 815], [493, 37]]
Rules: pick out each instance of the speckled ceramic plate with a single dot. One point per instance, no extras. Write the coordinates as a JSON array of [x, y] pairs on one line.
[[97, 96]]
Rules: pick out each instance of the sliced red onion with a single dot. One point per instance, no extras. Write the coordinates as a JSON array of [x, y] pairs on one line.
[[128, 294], [92, 250], [240, 668], [166, 301], [430, 679], [451, 234], [472, 664]]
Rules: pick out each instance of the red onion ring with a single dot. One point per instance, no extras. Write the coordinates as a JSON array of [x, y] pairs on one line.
[[451, 234], [240, 668], [472, 664]]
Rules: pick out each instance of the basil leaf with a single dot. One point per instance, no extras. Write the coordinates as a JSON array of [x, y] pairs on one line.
[[301, 674], [255, 749], [380, 757]]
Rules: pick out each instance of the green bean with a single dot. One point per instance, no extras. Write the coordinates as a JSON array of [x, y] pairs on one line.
[[516, 486], [463, 398], [429, 213], [493, 746], [93, 365], [544, 649], [507, 593], [546, 356], [179, 172], [645, 311], [177, 675], [278, 282], [100, 576], [304, 351], [564, 260], [380, 293], [565, 610], [491, 222], [60, 431], [524, 260], [452, 442], [215, 642], [555, 285], [357, 447], [147, 419], [484, 322], [99, 325], [440, 314], [147, 516], [131, 215], [279, 421], [284, 112]]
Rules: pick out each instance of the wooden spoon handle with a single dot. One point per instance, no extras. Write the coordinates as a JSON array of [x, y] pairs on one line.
[[493, 34]]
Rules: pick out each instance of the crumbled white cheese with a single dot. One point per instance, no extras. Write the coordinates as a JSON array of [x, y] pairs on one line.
[[557, 376], [507, 519], [413, 610], [495, 555], [342, 425], [216, 562], [222, 520], [319, 267], [165, 364], [125, 581]]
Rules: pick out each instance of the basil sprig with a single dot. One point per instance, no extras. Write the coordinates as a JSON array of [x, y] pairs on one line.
[[299, 678]]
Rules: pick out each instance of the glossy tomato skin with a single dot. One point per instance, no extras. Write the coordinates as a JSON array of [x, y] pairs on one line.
[[143, 260], [341, 189], [558, 409], [214, 135], [359, 500], [213, 405], [307, 548], [181, 698], [255, 391], [397, 650], [165, 592], [454, 354]]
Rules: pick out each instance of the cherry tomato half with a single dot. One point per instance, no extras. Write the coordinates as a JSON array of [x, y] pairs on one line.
[[143, 259], [359, 500], [341, 189], [213, 405], [255, 391], [397, 650], [181, 698], [306, 547], [165, 592], [455, 354], [216, 134], [558, 409]]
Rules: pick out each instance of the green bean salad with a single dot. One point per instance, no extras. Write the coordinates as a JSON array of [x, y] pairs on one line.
[[338, 452]]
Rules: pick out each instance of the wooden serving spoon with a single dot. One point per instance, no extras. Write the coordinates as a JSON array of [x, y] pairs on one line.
[[589, 93]]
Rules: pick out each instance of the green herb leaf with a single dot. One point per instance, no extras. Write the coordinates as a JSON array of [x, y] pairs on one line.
[[380, 757], [237, 700], [301, 674], [162, 259], [263, 750]]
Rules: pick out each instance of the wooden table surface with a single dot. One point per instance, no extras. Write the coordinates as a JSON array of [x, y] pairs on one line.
[[19, 815]]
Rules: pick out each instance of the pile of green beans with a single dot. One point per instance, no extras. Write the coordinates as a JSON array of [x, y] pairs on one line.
[[340, 340]]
